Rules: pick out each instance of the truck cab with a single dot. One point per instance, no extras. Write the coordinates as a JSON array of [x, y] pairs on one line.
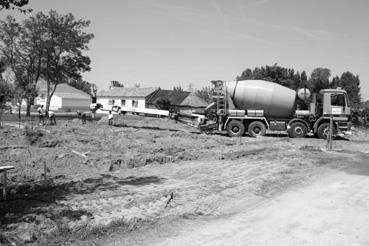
[[334, 103]]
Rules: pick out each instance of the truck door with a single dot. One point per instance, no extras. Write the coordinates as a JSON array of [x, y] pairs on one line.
[[339, 104]]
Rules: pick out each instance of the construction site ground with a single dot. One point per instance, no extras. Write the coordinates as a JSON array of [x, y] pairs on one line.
[[147, 181]]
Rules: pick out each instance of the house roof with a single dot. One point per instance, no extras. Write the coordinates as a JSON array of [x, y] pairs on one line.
[[127, 92], [193, 100], [178, 98], [65, 91]]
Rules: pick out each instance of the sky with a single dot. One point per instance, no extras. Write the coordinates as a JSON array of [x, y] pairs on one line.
[[168, 43]]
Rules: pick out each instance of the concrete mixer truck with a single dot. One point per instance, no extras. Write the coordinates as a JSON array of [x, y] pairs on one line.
[[255, 106]]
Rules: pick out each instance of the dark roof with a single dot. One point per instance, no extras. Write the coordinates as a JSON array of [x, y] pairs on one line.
[[127, 92], [177, 98], [65, 91]]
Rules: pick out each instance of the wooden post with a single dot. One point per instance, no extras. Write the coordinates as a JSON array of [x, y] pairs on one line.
[[45, 170], [4, 183], [330, 138]]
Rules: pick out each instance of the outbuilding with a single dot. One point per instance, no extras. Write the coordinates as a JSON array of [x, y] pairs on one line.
[[125, 97], [65, 98], [183, 101]]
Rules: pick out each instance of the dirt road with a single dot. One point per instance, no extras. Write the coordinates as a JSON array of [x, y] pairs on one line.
[[332, 211]]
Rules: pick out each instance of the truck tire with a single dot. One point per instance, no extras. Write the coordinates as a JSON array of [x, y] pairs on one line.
[[256, 128], [235, 128], [323, 130], [297, 130]]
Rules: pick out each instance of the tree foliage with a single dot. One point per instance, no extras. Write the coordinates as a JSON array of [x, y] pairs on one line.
[[14, 4], [63, 44], [319, 79], [283, 76], [115, 83], [82, 85], [164, 104], [205, 93], [6, 91], [21, 47], [177, 88], [50, 46], [351, 84]]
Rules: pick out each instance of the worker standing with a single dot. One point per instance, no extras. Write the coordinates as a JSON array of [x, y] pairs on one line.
[[110, 118], [41, 113]]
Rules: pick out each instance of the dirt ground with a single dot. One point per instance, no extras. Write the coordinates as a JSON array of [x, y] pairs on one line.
[[151, 180]]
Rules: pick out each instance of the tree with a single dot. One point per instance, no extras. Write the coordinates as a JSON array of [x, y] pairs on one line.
[[280, 75], [115, 83], [205, 93], [14, 4], [319, 79], [163, 103], [245, 75], [304, 79], [63, 45], [22, 49], [137, 85], [177, 88], [335, 82], [81, 84], [351, 83], [5, 90]]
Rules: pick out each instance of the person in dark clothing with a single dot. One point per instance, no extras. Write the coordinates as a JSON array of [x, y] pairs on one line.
[[51, 117], [84, 117], [41, 113]]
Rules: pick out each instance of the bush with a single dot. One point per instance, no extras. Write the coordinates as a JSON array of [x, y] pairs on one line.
[[33, 136]]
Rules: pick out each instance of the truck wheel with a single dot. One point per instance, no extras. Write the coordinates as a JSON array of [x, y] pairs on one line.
[[235, 128], [323, 130], [297, 130], [256, 128]]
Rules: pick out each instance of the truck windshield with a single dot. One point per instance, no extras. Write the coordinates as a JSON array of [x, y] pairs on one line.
[[338, 100]]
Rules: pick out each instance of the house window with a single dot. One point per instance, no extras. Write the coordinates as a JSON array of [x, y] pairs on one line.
[[134, 103], [111, 101], [123, 103]]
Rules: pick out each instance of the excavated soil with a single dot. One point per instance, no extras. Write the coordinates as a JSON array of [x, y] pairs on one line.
[[76, 184]]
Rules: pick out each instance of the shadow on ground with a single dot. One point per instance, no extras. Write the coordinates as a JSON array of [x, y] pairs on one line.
[[35, 198], [359, 168]]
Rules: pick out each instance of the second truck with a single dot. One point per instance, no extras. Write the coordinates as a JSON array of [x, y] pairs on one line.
[[255, 106]]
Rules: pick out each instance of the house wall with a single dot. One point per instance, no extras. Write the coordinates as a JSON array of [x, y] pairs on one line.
[[76, 104], [140, 102], [55, 103]]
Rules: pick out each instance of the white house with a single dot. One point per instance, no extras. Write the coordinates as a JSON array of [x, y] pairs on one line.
[[125, 97], [66, 98]]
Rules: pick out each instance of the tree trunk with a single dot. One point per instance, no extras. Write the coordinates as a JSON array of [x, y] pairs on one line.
[[28, 107], [19, 112], [1, 118], [48, 97]]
